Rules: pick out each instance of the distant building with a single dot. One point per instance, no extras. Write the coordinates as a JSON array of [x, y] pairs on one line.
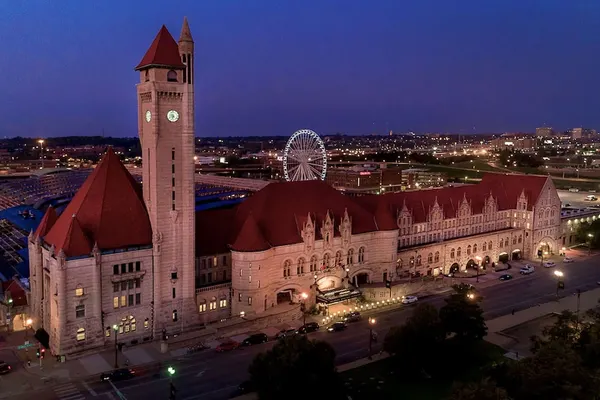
[[544, 131], [521, 143], [582, 133], [418, 178]]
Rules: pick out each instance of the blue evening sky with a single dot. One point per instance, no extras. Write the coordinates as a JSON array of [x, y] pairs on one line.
[[270, 67]]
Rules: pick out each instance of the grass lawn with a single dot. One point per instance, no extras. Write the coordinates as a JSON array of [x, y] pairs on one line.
[[378, 380]]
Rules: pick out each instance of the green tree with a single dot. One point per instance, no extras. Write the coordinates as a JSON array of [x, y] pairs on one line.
[[418, 340], [486, 389], [462, 318], [296, 368]]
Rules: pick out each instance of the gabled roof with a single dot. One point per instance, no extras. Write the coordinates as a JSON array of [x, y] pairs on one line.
[[108, 210], [511, 186], [163, 52], [49, 219], [250, 237], [17, 292]]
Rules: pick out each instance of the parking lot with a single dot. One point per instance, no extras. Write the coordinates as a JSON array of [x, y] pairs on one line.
[[576, 199]]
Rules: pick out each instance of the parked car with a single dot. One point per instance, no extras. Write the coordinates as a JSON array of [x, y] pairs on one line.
[[118, 375], [568, 260], [409, 299], [337, 326], [352, 317], [256, 338], [549, 264], [310, 327], [505, 277], [227, 345], [526, 270], [286, 332], [4, 368]]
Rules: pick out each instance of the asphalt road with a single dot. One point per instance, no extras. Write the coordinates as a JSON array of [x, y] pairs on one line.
[[210, 376], [576, 199]]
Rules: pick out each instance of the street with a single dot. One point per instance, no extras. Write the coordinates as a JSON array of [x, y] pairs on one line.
[[210, 375]]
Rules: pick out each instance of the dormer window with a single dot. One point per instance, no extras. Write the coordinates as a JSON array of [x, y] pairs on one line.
[[171, 76]]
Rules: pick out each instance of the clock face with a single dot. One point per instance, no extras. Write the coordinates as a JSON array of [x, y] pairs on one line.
[[173, 116], [148, 116]]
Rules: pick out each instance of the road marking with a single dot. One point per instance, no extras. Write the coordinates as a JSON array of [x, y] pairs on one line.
[[89, 389]]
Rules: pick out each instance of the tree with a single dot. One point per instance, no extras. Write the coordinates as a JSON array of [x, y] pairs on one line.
[[296, 368], [486, 389], [462, 318], [418, 340]]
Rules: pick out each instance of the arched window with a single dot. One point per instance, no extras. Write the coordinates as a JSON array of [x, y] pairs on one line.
[[490, 245], [419, 259], [350, 258], [451, 253], [300, 267], [520, 238], [501, 243], [429, 258], [484, 247], [475, 248], [338, 258], [437, 257], [171, 76], [469, 250], [313, 263], [412, 261], [80, 334], [326, 259], [514, 240], [174, 316], [458, 252], [287, 268], [361, 255]]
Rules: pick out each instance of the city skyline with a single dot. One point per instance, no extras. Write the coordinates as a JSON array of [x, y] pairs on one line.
[[270, 69]]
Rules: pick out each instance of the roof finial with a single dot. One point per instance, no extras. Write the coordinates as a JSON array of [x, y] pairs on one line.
[[186, 34]]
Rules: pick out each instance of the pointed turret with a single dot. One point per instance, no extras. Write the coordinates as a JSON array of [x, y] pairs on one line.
[[186, 34], [163, 53], [46, 223], [250, 237]]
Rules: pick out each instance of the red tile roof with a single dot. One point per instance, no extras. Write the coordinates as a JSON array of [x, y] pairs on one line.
[[46, 223], [17, 292], [163, 52], [250, 237], [213, 231], [108, 210]]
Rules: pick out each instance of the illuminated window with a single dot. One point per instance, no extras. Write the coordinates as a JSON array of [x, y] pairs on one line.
[[116, 302], [79, 291], [223, 303], [146, 324], [202, 307], [80, 334], [132, 322], [107, 331], [123, 301], [174, 316], [213, 304]]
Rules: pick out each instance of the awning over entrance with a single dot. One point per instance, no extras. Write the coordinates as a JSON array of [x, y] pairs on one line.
[[338, 295]]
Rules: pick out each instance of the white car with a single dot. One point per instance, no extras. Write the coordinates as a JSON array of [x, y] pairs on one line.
[[409, 299], [568, 260], [549, 264], [526, 270]]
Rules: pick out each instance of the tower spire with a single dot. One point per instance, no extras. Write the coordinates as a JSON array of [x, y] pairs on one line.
[[186, 34]]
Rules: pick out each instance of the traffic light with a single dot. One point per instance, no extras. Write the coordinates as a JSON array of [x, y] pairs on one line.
[[42, 353], [388, 284], [37, 353], [171, 371]]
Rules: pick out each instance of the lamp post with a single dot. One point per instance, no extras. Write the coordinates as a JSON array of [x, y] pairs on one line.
[[28, 326], [304, 296], [116, 330], [371, 323], [477, 268], [41, 142], [590, 237], [558, 275], [9, 313]]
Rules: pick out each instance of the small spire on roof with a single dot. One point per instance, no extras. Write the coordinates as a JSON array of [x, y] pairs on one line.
[[186, 34]]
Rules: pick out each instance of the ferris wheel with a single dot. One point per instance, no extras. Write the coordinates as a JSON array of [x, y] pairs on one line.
[[304, 157]]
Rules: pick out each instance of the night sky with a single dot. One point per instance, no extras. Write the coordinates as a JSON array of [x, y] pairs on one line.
[[270, 67]]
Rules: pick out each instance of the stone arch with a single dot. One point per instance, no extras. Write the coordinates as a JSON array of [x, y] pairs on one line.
[[547, 244], [454, 268], [172, 76], [288, 293], [357, 277], [328, 282], [516, 254]]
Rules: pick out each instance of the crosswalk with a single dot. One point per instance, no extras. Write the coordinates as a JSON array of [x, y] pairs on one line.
[[68, 391]]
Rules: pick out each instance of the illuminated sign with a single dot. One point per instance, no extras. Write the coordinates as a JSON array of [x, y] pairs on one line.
[[365, 173]]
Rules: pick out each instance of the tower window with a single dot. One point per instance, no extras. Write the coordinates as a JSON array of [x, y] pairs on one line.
[[171, 76], [146, 77], [173, 155]]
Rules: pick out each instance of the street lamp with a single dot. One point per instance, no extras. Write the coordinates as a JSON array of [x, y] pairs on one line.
[[41, 142], [28, 325], [477, 267], [371, 324], [559, 283], [116, 330], [470, 296], [304, 296], [590, 237]]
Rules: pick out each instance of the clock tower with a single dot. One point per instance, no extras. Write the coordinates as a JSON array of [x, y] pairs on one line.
[[166, 129]]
